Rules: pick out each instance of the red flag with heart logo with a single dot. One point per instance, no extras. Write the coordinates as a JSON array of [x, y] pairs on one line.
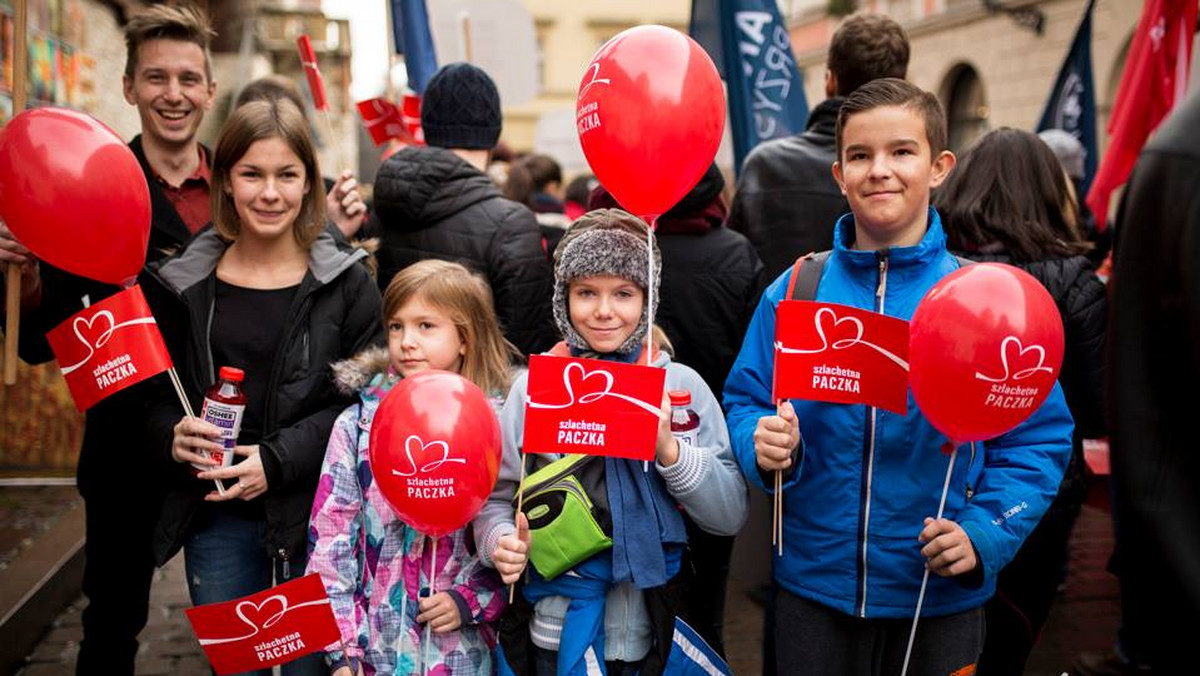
[[592, 407], [382, 120], [840, 354], [410, 113], [274, 626], [108, 347]]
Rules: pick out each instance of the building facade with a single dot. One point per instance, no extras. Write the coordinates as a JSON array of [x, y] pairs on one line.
[[992, 64]]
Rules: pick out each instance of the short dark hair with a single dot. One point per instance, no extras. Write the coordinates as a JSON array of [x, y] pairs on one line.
[[270, 88], [867, 47], [1009, 189], [185, 23], [891, 91], [543, 170]]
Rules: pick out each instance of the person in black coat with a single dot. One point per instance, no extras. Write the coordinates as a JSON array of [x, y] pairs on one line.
[[435, 201], [787, 200], [270, 289], [1154, 365], [168, 78], [711, 281], [1008, 202]]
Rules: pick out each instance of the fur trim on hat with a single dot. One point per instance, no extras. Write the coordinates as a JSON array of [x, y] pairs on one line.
[[603, 242]]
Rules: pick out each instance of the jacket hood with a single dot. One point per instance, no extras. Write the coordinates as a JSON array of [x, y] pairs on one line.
[[353, 374], [327, 259], [420, 186]]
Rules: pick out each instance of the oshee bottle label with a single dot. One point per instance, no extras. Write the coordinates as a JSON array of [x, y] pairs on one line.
[[228, 417]]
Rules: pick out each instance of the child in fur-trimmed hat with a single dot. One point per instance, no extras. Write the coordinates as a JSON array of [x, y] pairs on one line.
[[618, 599]]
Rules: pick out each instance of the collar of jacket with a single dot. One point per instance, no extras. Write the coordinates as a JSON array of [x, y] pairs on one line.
[[823, 118], [326, 260], [928, 250]]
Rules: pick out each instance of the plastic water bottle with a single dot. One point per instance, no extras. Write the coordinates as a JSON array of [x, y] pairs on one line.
[[224, 405], [684, 421]]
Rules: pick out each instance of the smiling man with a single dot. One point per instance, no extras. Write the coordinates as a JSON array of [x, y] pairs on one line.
[[169, 78]]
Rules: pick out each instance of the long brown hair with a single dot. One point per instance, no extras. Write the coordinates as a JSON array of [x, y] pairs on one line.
[[467, 301], [258, 121], [1009, 189]]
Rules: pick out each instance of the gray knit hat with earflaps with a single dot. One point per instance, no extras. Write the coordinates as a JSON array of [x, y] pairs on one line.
[[603, 242]]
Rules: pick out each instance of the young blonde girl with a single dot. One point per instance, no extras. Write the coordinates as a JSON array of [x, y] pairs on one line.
[[376, 569]]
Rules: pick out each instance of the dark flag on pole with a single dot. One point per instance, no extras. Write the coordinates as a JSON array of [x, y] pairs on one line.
[[750, 44], [411, 36], [1072, 103]]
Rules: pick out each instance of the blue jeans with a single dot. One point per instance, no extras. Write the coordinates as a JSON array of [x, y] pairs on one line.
[[225, 559]]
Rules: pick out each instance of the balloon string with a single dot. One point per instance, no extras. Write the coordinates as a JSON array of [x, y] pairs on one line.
[[432, 585], [912, 634], [649, 300]]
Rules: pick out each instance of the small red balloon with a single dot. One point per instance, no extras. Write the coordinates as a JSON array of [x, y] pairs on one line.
[[435, 451], [650, 115], [986, 349], [72, 192]]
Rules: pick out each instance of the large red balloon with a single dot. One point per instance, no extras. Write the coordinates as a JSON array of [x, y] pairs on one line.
[[72, 192], [985, 352], [435, 450], [650, 115]]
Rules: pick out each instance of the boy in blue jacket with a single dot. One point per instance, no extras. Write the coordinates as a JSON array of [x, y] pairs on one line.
[[859, 483]]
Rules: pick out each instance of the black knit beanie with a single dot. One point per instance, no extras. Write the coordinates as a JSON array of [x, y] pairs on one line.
[[460, 108]]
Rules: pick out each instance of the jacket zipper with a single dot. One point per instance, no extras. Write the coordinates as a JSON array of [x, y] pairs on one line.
[[970, 492], [287, 564], [880, 297]]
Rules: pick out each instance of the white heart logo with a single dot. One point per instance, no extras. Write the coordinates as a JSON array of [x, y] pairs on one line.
[[1021, 351], [258, 607], [588, 398], [414, 446]]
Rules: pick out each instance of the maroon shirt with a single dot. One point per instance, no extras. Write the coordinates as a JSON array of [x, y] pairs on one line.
[[191, 198]]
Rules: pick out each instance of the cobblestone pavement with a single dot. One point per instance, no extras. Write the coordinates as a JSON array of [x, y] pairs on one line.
[[1084, 618]]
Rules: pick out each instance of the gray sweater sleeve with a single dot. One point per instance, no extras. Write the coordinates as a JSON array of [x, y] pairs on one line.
[[495, 519], [706, 479]]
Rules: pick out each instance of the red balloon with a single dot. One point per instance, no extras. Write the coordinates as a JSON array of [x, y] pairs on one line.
[[72, 192], [650, 115], [435, 450], [986, 348]]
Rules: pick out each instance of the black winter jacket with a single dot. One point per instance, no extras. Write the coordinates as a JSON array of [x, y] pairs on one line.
[[335, 314], [787, 201], [1082, 301], [433, 204], [1154, 368], [107, 423]]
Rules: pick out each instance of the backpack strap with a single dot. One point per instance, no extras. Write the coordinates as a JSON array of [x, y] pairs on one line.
[[805, 278], [963, 262]]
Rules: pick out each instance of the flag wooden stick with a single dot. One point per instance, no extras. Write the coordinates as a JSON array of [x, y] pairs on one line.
[[187, 409], [512, 588], [12, 328]]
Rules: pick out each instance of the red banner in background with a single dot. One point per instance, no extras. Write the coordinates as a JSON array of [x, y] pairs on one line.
[[308, 60], [272, 627], [410, 113], [382, 120], [840, 354], [592, 407], [108, 347]]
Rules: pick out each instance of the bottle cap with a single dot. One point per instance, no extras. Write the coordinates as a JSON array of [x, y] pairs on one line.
[[232, 374], [680, 397]]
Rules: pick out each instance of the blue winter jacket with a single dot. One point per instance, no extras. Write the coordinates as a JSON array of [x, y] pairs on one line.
[[853, 508]]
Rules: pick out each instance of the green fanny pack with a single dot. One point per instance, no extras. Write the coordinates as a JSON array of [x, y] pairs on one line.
[[566, 503]]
